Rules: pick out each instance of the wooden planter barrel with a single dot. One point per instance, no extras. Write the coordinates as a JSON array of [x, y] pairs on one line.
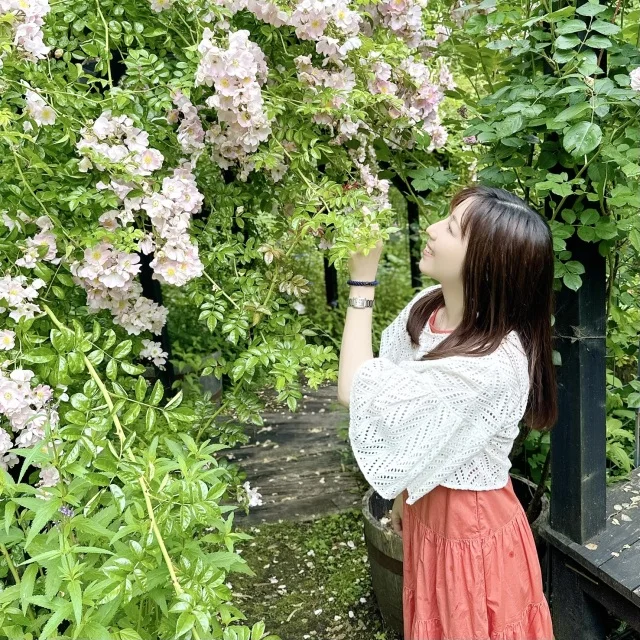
[[384, 548]]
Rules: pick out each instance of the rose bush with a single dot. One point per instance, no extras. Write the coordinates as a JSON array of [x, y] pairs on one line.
[[197, 144], [202, 145]]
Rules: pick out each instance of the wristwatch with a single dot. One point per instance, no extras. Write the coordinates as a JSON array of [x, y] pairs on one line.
[[360, 303]]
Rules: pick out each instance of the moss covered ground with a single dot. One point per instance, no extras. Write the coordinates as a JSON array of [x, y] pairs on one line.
[[312, 580]]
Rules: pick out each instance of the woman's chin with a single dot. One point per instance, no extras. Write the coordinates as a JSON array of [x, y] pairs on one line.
[[423, 265]]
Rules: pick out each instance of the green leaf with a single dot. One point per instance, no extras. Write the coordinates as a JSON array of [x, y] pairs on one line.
[[582, 138], [123, 349], [112, 369], [59, 614], [588, 234], [141, 389], [39, 355], [118, 495], [156, 394], [76, 362], [131, 414], [574, 267], [75, 592], [567, 42], [150, 418], [9, 515], [132, 369], [630, 170], [80, 402], [92, 527], [175, 401], [572, 112], [572, 281], [96, 631], [589, 216], [570, 26], [129, 634], [633, 401], [52, 580], [634, 238], [60, 340], [76, 417], [257, 630], [590, 9], [510, 125], [26, 585], [183, 414], [598, 42], [42, 517], [185, 623], [606, 229], [606, 28], [95, 357], [109, 339]]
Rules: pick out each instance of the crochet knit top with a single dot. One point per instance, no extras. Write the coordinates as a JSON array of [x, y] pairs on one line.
[[416, 424]]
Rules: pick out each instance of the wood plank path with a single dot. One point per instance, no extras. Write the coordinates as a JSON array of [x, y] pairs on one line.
[[297, 461]]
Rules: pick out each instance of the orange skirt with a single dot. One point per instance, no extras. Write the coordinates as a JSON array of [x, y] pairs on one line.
[[471, 570]]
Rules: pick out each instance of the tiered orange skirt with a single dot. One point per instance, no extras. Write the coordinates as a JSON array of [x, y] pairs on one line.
[[471, 571]]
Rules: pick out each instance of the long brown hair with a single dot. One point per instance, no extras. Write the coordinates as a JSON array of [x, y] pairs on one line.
[[507, 279]]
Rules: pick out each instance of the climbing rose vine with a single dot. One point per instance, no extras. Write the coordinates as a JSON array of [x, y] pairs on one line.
[[157, 154]]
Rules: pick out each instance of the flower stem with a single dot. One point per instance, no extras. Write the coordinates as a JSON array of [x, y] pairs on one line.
[[12, 567]]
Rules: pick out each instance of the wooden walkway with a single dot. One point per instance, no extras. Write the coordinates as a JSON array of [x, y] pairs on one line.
[[296, 461], [607, 565]]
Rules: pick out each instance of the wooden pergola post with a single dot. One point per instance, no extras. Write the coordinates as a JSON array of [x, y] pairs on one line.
[[578, 442]]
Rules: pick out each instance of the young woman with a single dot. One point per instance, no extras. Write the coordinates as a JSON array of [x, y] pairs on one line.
[[434, 417]]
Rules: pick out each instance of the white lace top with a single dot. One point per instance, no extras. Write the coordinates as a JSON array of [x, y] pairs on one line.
[[452, 422]]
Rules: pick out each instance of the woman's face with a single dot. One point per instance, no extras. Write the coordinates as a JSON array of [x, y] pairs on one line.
[[443, 257]]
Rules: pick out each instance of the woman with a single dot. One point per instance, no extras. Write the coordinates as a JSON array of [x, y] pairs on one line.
[[434, 417]]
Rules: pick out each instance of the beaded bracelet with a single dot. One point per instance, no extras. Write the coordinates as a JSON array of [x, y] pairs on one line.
[[363, 283]]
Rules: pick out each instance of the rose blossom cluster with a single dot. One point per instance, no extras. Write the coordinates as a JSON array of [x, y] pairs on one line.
[[176, 259], [311, 18], [169, 210], [17, 292], [38, 109], [161, 5], [27, 18], [442, 35], [236, 74], [634, 76], [461, 12], [264, 10], [402, 17], [364, 158], [420, 96], [342, 82], [28, 411], [44, 238], [108, 277], [114, 139], [153, 351], [190, 131]]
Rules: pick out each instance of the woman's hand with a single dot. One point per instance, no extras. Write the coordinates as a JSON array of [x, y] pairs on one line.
[[363, 267], [396, 514]]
